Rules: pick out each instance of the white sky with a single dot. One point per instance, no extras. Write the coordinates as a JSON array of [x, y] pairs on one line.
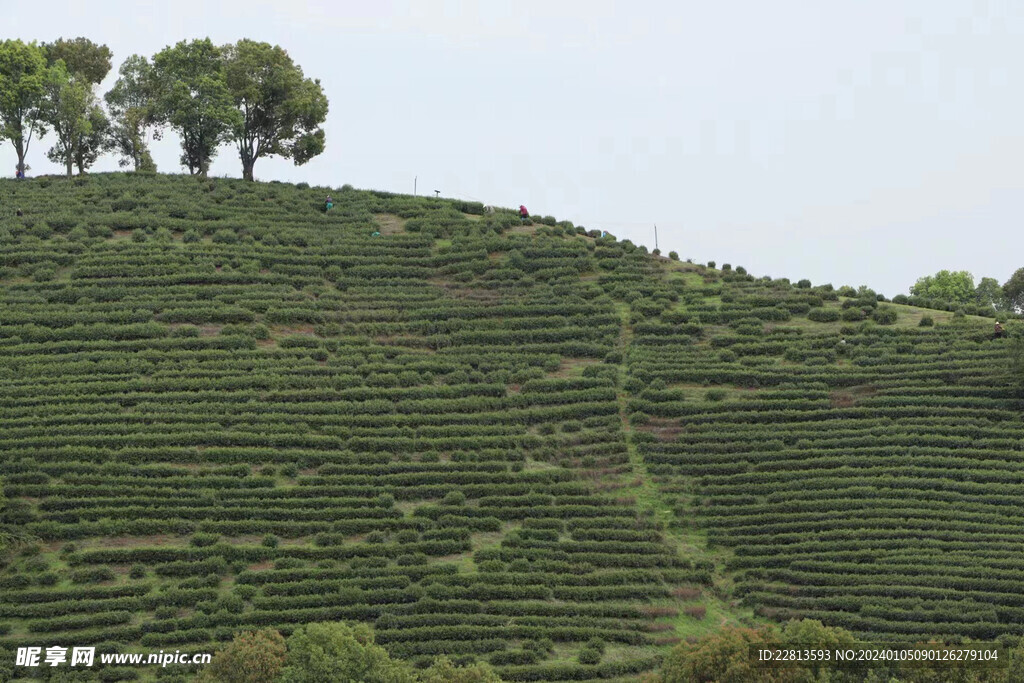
[[867, 142]]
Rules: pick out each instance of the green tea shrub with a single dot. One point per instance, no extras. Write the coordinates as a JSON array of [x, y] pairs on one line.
[[884, 316], [824, 315]]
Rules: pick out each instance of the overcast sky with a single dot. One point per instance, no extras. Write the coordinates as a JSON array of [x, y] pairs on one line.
[[866, 142]]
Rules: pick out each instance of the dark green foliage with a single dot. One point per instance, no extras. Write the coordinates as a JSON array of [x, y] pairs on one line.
[[824, 315], [884, 316], [435, 431], [296, 421]]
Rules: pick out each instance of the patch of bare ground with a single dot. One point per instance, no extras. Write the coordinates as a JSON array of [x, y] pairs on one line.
[[663, 429], [850, 396], [389, 224], [573, 366], [138, 541], [460, 290], [289, 331], [522, 230]]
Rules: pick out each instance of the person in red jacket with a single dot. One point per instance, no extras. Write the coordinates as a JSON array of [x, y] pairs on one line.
[[523, 213]]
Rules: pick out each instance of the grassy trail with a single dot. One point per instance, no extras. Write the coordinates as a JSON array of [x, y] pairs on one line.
[[689, 541]]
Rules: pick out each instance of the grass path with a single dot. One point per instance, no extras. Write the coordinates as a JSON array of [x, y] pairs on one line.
[[686, 538]]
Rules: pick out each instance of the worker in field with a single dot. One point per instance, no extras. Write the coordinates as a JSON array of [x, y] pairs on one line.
[[19, 213], [18, 173], [329, 204], [523, 214], [998, 333]]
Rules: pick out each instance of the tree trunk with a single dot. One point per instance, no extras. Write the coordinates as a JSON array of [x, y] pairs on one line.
[[69, 162], [247, 170], [19, 147]]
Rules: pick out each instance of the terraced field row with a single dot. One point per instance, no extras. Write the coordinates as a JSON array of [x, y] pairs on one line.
[[248, 413], [867, 476]]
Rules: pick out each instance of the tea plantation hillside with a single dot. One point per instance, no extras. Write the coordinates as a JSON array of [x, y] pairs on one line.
[[222, 409]]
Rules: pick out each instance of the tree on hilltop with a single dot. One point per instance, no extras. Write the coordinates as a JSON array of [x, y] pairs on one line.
[[133, 105], [66, 107], [280, 110], [957, 287], [70, 105], [82, 58], [23, 74], [990, 293], [193, 99], [1013, 290]]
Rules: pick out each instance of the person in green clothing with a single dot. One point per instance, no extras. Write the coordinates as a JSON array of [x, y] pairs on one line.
[[329, 204]]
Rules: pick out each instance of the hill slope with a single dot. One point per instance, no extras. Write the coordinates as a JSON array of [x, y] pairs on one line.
[[223, 409]]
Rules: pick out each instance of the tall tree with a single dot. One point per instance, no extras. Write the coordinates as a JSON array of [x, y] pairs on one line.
[[957, 287], [93, 141], [133, 105], [337, 652], [444, 671], [281, 111], [252, 657], [990, 293], [194, 100], [86, 64], [66, 106], [22, 79], [83, 58], [1013, 290]]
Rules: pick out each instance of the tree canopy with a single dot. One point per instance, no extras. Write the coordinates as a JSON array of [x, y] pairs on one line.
[[250, 93], [990, 293], [1013, 290], [23, 77], [337, 652], [281, 111], [252, 657], [83, 58], [69, 107], [444, 671], [133, 105], [946, 285], [193, 99]]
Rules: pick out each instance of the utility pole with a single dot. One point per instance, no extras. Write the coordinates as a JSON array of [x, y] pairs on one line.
[[414, 180], [655, 235], [437, 193]]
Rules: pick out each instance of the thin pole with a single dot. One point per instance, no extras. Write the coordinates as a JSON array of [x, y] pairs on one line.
[[414, 180], [655, 235]]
